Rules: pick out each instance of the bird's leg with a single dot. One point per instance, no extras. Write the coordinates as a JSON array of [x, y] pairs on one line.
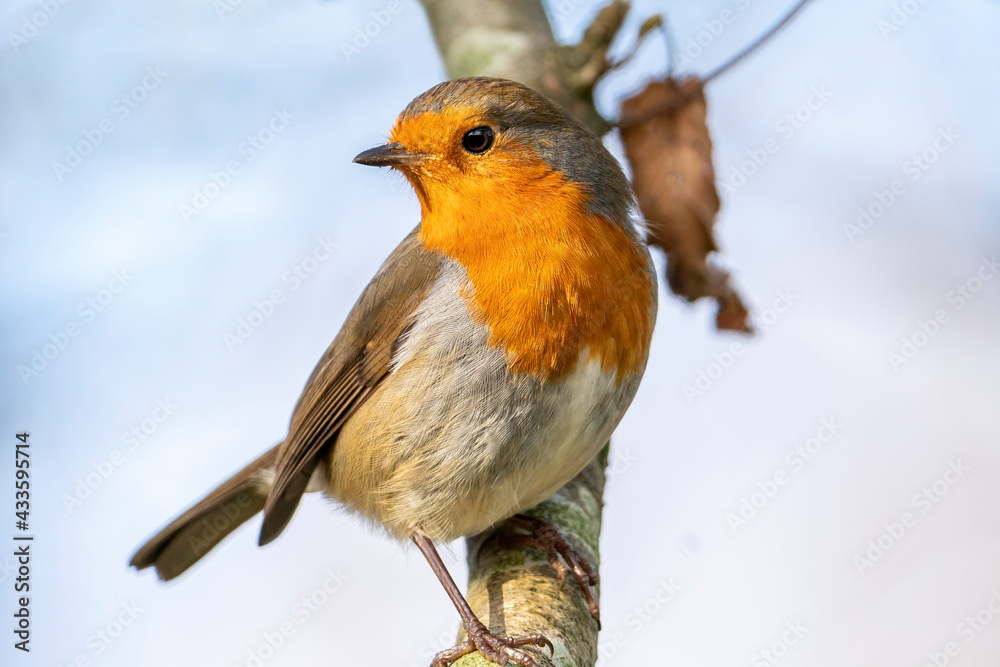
[[495, 649], [546, 537]]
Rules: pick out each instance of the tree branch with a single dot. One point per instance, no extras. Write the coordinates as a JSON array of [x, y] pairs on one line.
[[513, 589], [512, 39]]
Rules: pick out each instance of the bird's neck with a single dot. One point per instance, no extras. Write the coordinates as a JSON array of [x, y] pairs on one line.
[[549, 279]]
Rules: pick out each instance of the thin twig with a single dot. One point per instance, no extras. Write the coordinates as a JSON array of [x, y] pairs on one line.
[[758, 42], [668, 43], [683, 99]]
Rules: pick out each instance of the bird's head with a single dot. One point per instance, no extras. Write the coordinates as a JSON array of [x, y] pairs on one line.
[[490, 148]]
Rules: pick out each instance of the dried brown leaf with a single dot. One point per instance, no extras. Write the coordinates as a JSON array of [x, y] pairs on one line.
[[667, 143]]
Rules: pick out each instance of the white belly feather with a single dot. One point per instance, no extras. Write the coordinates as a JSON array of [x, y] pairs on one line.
[[452, 443]]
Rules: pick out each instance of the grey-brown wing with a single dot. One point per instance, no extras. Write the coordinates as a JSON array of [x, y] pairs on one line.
[[351, 369]]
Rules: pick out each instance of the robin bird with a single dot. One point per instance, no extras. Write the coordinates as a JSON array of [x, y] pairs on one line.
[[485, 364]]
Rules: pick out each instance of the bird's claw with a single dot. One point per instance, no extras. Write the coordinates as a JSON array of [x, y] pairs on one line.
[[546, 537], [500, 650]]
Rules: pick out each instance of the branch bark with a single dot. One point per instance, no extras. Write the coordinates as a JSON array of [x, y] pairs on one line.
[[514, 590], [512, 39]]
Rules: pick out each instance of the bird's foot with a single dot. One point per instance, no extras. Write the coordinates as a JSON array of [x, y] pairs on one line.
[[546, 537], [495, 649]]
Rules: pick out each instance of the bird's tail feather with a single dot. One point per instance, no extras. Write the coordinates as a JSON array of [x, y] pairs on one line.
[[189, 537]]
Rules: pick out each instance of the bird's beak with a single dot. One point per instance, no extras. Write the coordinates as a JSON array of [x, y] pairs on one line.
[[392, 154]]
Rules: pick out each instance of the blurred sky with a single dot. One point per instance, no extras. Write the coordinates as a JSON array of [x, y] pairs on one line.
[[196, 85]]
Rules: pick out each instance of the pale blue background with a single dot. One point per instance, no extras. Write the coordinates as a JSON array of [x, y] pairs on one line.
[[683, 466]]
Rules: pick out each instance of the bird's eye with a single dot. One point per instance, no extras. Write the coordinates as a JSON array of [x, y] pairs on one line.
[[478, 140]]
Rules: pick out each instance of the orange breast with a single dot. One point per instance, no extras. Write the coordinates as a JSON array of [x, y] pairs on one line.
[[550, 278]]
